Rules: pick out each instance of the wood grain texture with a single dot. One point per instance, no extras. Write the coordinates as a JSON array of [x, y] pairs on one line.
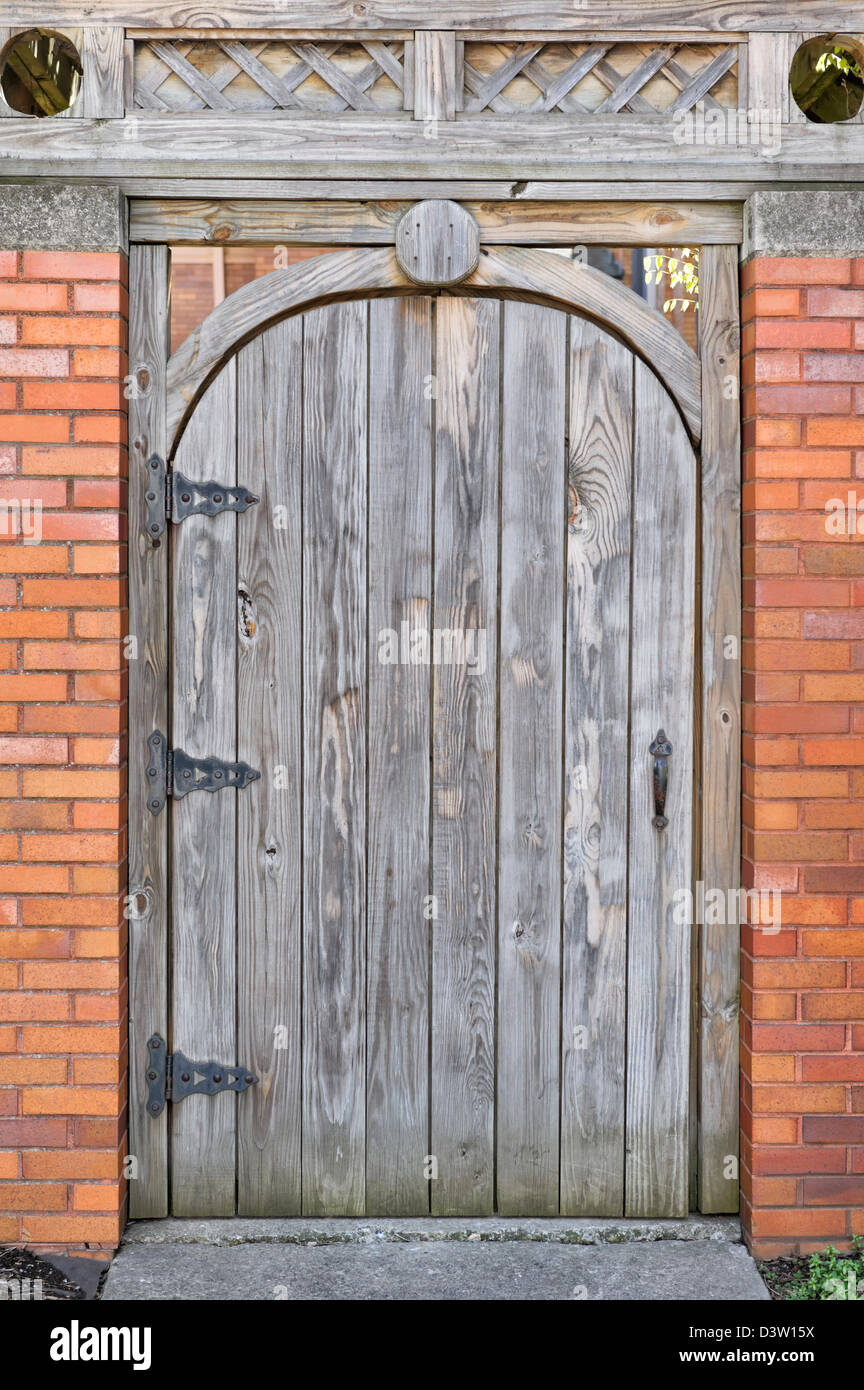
[[533, 516], [228, 190], [464, 758], [400, 593], [715, 16], [148, 710], [660, 861], [721, 724], [334, 704], [435, 95], [203, 825], [531, 275], [251, 221], [437, 242], [620, 148], [102, 87], [260, 304], [597, 657], [268, 623], [553, 280]]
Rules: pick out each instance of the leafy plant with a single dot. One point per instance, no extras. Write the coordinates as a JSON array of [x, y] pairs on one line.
[[830, 1276], [836, 58], [678, 270]]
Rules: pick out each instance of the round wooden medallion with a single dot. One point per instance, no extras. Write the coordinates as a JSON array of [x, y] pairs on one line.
[[437, 242]]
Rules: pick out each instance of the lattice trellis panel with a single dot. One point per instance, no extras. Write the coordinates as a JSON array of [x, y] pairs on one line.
[[261, 75], [599, 78]]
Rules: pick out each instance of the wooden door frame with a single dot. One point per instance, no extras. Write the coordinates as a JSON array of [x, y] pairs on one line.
[[714, 1091]]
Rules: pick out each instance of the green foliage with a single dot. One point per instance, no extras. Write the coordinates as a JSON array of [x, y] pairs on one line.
[[837, 58], [680, 269], [830, 1276]]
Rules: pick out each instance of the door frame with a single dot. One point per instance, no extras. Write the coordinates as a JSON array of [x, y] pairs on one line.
[[160, 381]]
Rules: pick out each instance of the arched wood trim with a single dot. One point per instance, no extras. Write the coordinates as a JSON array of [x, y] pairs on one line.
[[538, 276]]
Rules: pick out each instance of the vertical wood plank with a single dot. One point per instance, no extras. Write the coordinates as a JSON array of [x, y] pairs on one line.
[[400, 593], [104, 80], [269, 737], [769, 58], [533, 517], [147, 907], [721, 722], [660, 861], [593, 1025], [435, 70], [464, 758], [334, 681], [203, 649]]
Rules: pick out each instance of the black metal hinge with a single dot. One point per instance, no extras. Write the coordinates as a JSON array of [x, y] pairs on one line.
[[173, 1076], [172, 772], [172, 497]]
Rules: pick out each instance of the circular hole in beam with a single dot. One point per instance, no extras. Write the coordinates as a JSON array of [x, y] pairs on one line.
[[40, 73], [826, 78]]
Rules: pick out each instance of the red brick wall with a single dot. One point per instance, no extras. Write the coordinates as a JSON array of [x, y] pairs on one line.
[[802, 1085], [62, 749]]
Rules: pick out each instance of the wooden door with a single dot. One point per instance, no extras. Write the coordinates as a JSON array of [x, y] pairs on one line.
[[441, 927]]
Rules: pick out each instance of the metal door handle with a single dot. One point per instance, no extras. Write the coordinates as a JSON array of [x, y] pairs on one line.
[[660, 750]]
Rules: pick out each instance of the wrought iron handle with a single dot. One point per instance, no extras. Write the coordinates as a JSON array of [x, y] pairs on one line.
[[660, 750]]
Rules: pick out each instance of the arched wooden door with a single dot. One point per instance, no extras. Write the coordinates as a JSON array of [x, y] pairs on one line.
[[440, 928]]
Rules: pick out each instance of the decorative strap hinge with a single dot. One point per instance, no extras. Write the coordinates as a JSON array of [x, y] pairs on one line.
[[171, 496], [173, 1076], [172, 772]]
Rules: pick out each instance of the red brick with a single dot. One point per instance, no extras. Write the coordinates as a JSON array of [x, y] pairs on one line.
[[73, 265], [26, 1133], [54, 428], [72, 395], [835, 303], [31, 299], [113, 299], [70, 331], [833, 1005], [36, 362], [777, 333], [75, 459], [834, 1191]]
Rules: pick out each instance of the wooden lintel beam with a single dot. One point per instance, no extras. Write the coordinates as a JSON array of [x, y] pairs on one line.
[[366, 223], [715, 16], [619, 148]]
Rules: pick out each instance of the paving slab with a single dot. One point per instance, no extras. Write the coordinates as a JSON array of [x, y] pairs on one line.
[[471, 1269]]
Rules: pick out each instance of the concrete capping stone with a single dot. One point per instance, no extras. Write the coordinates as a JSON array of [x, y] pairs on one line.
[[47, 216], [804, 222]]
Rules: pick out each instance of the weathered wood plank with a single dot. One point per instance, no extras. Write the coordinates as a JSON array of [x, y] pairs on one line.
[[556, 280], [531, 275], [533, 517], [102, 85], [147, 907], [369, 223], [593, 1025], [228, 190], [334, 703], [464, 758], [269, 735], [715, 16], [203, 826], [622, 148], [721, 723], [435, 94], [660, 861], [400, 596]]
